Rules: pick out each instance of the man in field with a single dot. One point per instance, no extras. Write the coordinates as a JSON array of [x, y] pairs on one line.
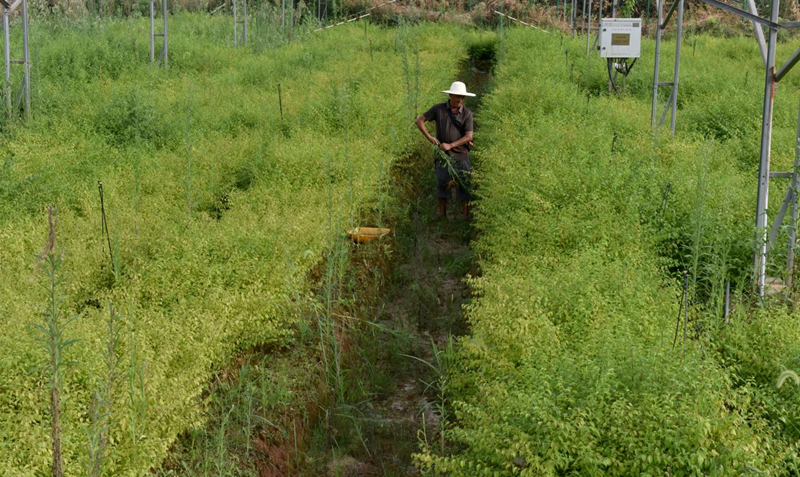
[[454, 138]]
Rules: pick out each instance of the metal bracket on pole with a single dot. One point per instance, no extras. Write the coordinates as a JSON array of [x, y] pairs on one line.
[[164, 55], [24, 94], [237, 42], [672, 101]]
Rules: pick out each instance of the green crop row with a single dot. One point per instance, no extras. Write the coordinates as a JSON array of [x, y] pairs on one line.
[[577, 361], [220, 198]]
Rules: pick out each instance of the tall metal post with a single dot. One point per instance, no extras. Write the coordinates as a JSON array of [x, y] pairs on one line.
[[657, 62], [751, 4], [760, 260], [165, 51], [26, 81], [678, 41], [152, 32], [573, 6], [589, 28], [235, 25], [164, 57], [236, 22], [244, 21], [583, 18], [7, 54], [672, 101]]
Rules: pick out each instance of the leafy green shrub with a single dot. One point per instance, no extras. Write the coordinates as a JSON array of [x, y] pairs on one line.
[[195, 288], [571, 366], [132, 119]]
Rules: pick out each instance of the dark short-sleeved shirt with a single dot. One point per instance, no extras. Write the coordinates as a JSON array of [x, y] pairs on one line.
[[446, 131]]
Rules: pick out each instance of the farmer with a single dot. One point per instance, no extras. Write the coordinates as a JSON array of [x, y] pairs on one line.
[[454, 137]]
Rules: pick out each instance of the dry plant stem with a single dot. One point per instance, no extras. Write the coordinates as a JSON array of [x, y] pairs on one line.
[[55, 382], [52, 330]]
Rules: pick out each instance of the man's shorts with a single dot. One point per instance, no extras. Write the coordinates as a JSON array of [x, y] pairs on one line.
[[443, 178]]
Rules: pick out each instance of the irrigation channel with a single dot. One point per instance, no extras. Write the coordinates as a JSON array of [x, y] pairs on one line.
[[358, 388]]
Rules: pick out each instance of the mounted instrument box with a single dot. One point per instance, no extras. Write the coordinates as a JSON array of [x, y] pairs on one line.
[[620, 37]]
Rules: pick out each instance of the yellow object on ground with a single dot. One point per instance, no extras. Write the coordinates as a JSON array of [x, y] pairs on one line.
[[367, 234]]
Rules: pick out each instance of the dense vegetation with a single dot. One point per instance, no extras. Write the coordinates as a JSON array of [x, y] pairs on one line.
[[222, 197], [219, 202], [571, 365]]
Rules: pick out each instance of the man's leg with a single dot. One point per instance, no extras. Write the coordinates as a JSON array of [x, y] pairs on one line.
[[442, 207], [464, 170]]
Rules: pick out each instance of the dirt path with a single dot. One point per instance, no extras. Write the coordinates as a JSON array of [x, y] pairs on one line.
[[416, 318], [422, 309]]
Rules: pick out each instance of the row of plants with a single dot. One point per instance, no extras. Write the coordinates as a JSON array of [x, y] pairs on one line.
[[599, 342], [224, 181]]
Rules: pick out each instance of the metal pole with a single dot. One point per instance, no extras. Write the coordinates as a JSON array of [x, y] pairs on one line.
[[727, 301], [152, 32], [583, 18], [572, 16], [659, 31], [283, 15], [679, 37], [793, 221], [760, 259], [759, 32], [27, 59], [7, 51], [244, 25], [589, 29], [613, 8], [235, 25], [166, 38]]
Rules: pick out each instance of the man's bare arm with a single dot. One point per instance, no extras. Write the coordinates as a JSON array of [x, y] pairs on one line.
[[420, 122]]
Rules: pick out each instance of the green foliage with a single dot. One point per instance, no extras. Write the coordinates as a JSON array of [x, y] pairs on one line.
[[198, 283], [570, 368]]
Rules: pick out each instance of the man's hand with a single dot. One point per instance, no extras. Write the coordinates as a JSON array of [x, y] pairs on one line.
[[435, 141], [445, 146]]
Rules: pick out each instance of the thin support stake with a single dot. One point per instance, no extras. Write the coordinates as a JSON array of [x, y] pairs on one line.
[[727, 301], [280, 101], [105, 222], [685, 307]]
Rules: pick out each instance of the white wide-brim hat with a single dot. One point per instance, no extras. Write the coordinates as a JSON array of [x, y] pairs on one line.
[[458, 88]]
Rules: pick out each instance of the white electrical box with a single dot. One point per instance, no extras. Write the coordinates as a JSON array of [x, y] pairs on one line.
[[620, 37]]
